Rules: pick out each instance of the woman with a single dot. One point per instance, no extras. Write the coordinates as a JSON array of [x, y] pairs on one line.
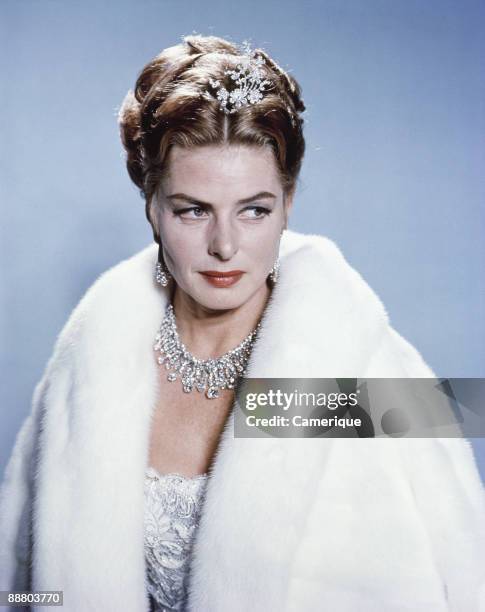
[[127, 489]]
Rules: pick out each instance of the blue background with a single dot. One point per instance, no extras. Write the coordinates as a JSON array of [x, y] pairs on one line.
[[394, 169]]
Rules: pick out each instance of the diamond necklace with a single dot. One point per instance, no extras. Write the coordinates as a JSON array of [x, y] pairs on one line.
[[209, 375]]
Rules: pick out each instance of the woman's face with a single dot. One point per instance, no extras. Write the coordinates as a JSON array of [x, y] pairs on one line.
[[221, 209]]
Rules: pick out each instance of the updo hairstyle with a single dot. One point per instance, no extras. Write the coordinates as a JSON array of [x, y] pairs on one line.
[[171, 105]]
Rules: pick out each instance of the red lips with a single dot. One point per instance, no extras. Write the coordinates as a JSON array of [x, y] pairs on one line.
[[222, 279], [222, 274]]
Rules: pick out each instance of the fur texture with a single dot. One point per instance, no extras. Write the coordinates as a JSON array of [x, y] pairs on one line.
[[296, 525]]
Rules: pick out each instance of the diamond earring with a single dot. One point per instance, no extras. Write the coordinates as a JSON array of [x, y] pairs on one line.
[[274, 273], [162, 275]]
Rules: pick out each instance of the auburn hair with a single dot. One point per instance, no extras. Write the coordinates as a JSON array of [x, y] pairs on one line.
[[170, 105]]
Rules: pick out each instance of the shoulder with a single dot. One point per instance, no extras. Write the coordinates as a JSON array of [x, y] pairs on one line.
[[316, 267], [320, 260], [108, 304], [125, 278], [396, 357]]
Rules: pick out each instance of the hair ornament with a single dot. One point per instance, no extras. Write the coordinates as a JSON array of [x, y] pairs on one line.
[[248, 77]]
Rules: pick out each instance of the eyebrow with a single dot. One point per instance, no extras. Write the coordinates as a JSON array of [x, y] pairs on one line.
[[258, 196]]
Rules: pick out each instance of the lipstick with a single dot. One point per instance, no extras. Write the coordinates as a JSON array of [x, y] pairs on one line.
[[222, 279]]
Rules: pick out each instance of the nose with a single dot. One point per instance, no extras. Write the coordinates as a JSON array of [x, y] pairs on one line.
[[223, 240]]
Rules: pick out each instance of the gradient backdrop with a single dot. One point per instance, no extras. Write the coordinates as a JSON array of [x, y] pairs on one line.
[[394, 170]]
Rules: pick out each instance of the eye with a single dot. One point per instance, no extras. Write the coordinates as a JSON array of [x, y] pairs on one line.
[[196, 210], [259, 212]]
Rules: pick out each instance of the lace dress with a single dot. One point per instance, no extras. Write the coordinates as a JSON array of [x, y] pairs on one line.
[[173, 505]]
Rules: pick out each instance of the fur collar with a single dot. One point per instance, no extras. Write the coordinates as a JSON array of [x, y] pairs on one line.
[[98, 395]]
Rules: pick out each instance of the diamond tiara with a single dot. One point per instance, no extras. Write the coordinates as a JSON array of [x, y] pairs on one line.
[[248, 77]]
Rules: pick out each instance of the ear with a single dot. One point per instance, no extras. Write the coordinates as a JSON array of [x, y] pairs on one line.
[[153, 217]]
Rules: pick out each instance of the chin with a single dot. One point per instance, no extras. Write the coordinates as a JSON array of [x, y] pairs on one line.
[[214, 298], [227, 300]]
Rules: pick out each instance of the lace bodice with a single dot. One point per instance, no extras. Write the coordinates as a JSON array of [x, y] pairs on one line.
[[173, 505]]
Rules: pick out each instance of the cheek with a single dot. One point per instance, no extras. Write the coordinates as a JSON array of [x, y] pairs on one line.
[[175, 243], [182, 256], [264, 239], [261, 256]]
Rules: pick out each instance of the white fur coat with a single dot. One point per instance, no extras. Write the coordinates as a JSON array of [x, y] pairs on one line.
[[337, 525]]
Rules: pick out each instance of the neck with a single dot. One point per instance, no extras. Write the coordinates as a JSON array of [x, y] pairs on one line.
[[209, 333]]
